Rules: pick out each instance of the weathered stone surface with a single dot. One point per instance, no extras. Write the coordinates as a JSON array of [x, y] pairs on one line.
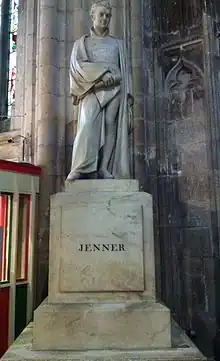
[[104, 185], [99, 241], [101, 276], [182, 350], [10, 151], [101, 326], [101, 248]]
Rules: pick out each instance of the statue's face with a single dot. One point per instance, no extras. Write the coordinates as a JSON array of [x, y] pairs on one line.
[[101, 18]]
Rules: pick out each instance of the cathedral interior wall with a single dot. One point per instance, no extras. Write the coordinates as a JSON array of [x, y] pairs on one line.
[[174, 56]]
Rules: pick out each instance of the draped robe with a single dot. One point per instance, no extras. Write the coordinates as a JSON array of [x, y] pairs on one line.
[[85, 77]]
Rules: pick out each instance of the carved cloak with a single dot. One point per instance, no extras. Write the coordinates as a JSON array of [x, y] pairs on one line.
[[90, 137]]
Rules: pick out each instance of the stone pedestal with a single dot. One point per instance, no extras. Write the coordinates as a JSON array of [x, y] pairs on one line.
[[101, 275], [101, 303], [101, 326]]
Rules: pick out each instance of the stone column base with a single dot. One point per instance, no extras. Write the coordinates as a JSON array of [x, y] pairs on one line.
[[101, 326], [182, 349], [101, 274]]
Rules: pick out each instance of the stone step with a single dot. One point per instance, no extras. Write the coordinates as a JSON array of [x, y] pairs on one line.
[[182, 349], [101, 326]]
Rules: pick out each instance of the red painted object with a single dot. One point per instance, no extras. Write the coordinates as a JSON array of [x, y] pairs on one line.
[[19, 167], [4, 318]]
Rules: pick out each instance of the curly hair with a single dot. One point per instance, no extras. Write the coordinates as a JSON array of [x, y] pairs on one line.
[[98, 3]]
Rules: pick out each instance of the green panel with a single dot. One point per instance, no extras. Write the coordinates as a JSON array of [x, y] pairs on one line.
[[20, 308]]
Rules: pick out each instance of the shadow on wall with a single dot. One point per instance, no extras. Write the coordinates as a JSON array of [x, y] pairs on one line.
[[186, 241]]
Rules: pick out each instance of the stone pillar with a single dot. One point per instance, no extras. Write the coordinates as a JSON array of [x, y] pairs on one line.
[[62, 92], [27, 117], [70, 34], [77, 22], [137, 76], [18, 121], [46, 124], [117, 21], [4, 49]]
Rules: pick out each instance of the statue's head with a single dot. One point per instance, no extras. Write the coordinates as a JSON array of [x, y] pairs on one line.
[[101, 12]]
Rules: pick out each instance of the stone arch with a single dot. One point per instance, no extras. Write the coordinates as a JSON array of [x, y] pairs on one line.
[[183, 66]]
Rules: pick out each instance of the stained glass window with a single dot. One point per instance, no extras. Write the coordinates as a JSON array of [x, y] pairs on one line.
[[12, 54], [8, 45], [0, 12]]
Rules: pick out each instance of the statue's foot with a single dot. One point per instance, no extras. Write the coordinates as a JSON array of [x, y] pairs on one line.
[[73, 177], [104, 174]]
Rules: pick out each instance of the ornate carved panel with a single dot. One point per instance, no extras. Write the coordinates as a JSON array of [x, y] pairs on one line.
[[184, 84], [182, 148], [183, 121]]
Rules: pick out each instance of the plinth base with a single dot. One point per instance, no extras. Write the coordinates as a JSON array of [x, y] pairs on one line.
[[182, 350], [101, 326]]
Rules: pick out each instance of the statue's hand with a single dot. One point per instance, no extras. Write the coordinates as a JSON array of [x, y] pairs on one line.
[[75, 100], [108, 79]]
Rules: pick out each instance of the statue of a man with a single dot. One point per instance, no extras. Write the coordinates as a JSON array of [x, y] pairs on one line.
[[100, 86]]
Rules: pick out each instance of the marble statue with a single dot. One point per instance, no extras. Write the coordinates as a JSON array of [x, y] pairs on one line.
[[100, 85]]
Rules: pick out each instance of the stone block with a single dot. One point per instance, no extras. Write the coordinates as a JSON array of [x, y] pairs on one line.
[[104, 185], [101, 326], [182, 349], [101, 248], [101, 242]]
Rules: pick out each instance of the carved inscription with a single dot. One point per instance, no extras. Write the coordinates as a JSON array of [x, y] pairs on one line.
[[102, 248]]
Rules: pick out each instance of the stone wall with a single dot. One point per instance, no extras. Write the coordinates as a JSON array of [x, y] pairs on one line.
[[181, 140], [10, 151], [174, 143]]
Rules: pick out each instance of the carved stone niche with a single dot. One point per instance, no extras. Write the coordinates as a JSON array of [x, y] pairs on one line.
[[183, 121], [184, 84]]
